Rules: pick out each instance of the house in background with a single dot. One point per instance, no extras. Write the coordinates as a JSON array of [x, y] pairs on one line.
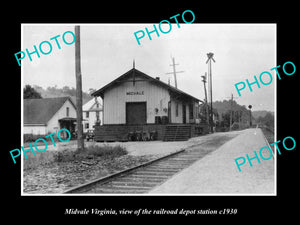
[[92, 112], [48, 115]]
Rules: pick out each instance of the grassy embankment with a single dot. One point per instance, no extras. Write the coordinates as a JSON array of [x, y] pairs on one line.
[[90, 152]]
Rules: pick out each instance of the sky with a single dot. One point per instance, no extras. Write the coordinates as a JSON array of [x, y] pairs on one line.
[[108, 50]]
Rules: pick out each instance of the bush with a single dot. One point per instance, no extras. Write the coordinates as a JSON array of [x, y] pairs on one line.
[[106, 150], [93, 151], [32, 137], [235, 126], [64, 156], [39, 159]]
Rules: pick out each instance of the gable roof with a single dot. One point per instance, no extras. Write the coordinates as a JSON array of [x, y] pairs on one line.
[[129, 73], [40, 111], [91, 105]]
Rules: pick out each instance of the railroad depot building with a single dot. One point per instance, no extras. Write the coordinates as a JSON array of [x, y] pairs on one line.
[[138, 103]]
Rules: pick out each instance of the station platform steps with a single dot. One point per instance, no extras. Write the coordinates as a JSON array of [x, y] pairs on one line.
[[177, 133]]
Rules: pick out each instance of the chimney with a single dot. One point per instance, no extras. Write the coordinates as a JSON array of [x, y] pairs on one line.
[[157, 78]]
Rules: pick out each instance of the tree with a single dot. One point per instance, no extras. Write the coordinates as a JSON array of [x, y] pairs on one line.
[[91, 90], [269, 120], [66, 89], [202, 112], [226, 119], [30, 92]]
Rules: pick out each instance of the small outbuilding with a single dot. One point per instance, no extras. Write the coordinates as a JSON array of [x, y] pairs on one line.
[[138, 103], [47, 115]]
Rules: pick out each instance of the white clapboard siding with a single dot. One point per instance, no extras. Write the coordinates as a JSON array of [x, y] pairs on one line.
[[114, 104], [53, 124], [178, 118], [35, 129]]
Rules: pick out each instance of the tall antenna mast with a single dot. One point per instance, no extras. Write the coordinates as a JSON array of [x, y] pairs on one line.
[[210, 57], [174, 71]]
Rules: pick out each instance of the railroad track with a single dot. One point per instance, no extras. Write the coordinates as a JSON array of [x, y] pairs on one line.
[[269, 134], [143, 178]]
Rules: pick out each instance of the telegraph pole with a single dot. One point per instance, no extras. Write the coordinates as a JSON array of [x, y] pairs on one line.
[[206, 104], [250, 119], [240, 119], [231, 111], [174, 71], [211, 100], [210, 57], [80, 143]]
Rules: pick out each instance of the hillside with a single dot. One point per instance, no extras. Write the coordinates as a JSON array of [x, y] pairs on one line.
[[223, 108], [261, 113], [52, 92], [241, 114]]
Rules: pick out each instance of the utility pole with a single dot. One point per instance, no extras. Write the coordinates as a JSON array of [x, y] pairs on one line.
[[80, 143], [240, 119], [231, 111], [210, 57], [206, 104], [250, 115], [174, 71], [231, 101]]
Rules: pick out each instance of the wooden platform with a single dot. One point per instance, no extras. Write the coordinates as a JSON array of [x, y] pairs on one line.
[[122, 132], [169, 132]]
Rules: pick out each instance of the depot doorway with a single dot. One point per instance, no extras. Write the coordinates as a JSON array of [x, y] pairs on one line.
[[136, 113]]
